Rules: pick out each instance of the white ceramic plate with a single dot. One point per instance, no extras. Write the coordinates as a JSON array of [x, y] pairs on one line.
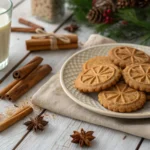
[[73, 66]]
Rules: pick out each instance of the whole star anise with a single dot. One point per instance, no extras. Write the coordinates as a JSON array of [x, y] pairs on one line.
[[71, 28], [37, 123], [82, 138]]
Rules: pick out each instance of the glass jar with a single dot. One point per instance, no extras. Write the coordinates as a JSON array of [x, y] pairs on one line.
[[48, 10]]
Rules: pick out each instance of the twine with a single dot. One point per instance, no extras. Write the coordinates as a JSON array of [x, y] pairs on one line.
[[53, 38]]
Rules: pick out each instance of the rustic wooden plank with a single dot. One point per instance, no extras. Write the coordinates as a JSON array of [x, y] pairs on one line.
[[10, 137], [103, 135], [17, 3], [7, 141], [56, 136], [145, 145]]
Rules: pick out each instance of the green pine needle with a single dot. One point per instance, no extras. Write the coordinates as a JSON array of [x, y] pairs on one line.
[[138, 22]]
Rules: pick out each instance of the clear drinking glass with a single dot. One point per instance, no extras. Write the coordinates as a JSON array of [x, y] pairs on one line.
[[5, 28]]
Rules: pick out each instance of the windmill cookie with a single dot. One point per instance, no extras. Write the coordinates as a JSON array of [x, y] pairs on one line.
[[138, 76], [122, 98], [95, 61], [123, 56], [98, 78]]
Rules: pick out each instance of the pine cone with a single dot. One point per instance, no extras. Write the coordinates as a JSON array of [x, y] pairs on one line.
[[95, 15], [125, 3], [105, 4], [143, 3]]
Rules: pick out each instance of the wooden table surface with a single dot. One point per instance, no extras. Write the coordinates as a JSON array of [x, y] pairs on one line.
[[57, 134]]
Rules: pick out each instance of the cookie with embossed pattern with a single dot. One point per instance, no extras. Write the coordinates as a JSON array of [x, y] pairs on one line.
[[138, 76], [122, 98], [124, 55], [95, 61], [98, 78]]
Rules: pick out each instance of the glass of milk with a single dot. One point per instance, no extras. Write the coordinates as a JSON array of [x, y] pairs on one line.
[[5, 28]]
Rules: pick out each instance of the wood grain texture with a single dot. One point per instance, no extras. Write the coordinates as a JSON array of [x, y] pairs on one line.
[[57, 136], [145, 145], [10, 137], [17, 3], [7, 141]]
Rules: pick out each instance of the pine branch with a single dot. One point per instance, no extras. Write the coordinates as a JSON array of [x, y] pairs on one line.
[[146, 39], [130, 15], [138, 21], [80, 8]]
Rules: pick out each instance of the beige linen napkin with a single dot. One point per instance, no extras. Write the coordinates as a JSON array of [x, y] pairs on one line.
[[96, 39], [52, 97]]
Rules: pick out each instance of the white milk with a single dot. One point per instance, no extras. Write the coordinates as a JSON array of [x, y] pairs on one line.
[[5, 26]]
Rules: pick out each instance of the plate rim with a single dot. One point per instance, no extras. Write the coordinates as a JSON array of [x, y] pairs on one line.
[[96, 110]]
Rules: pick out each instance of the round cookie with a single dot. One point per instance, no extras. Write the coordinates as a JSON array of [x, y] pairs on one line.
[[98, 78], [122, 98], [123, 56], [95, 61], [137, 76]]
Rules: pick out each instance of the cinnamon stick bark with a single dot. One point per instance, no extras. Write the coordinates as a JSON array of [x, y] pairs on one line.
[[6, 89], [29, 23], [27, 83], [28, 68], [73, 37], [20, 29], [44, 43], [46, 47], [15, 118], [41, 42]]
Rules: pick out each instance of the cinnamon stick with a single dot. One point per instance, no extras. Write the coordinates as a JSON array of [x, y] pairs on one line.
[[29, 23], [73, 37], [27, 83], [28, 68], [6, 89], [15, 118], [46, 47], [41, 42], [21, 29]]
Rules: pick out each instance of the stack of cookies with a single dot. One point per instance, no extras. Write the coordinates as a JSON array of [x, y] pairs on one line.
[[122, 78]]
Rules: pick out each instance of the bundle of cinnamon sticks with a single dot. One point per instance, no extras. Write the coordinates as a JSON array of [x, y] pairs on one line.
[[25, 78], [37, 43]]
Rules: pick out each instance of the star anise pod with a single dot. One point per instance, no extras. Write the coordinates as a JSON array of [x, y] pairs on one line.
[[37, 123], [82, 138], [71, 28]]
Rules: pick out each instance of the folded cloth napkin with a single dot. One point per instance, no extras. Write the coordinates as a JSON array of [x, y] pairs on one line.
[[52, 97], [96, 39]]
